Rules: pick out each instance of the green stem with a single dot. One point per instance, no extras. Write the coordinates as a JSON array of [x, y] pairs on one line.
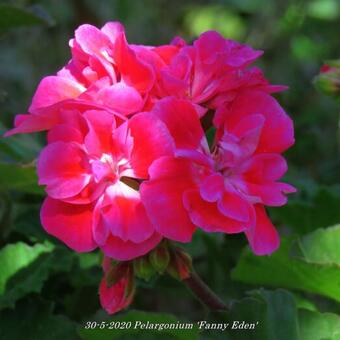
[[204, 293]]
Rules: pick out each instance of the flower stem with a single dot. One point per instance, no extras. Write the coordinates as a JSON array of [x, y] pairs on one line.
[[204, 293]]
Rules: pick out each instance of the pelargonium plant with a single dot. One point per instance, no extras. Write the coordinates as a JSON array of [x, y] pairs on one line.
[[127, 166]]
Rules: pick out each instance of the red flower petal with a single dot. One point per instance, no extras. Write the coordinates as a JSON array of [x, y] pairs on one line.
[[151, 140], [53, 89], [121, 250], [206, 215], [123, 215], [182, 121], [277, 133], [70, 223], [163, 198], [61, 168], [263, 238]]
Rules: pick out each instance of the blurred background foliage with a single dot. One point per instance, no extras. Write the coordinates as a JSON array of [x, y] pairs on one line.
[[49, 292]]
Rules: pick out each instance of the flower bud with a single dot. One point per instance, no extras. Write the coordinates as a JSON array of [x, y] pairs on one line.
[[180, 265], [117, 288], [143, 268], [116, 272], [160, 257], [328, 81]]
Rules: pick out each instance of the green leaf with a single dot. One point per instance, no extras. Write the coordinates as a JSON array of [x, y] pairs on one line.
[[281, 314], [277, 316], [19, 148], [19, 177], [319, 326], [88, 260], [282, 270], [26, 268], [87, 271], [322, 246], [306, 216], [137, 316], [252, 311], [27, 224], [33, 319], [303, 303], [14, 257], [12, 16], [271, 315]]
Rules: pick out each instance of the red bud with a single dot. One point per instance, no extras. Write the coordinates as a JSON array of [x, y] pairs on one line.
[[117, 288]]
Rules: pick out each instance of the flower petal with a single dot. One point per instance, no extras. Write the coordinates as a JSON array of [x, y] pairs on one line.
[[99, 137], [135, 72], [212, 187], [182, 121], [91, 39], [151, 140], [112, 29], [121, 250], [72, 224], [121, 98], [235, 207], [263, 238], [123, 214], [53, 89], [206, 215], [271, 194], [64, 133], [162, 197], [277, 133], [60, 168], [264, 167], [26, 123]]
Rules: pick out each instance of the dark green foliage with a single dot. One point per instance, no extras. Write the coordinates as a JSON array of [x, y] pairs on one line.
[[13, 16]]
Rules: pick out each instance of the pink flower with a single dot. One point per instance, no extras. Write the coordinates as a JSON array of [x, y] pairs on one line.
[[101, 148], [92, 170], [225, 189], [103, 69], [119, 295], [104, 72], [211, 71], [127, 162]]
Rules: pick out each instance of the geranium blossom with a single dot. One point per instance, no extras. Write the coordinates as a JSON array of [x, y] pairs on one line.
[[127, 163], [91, 170], [104, 71], [223, 190], [211, 72]]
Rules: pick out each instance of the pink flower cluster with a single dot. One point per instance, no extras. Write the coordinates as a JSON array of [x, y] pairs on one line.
[[127, 162]]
